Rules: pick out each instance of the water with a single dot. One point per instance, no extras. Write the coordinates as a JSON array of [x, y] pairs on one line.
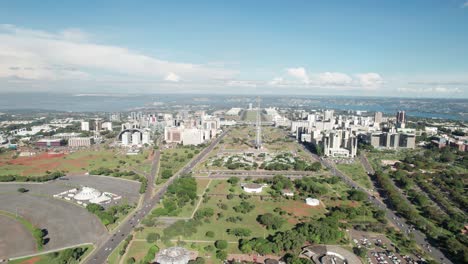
[[455, 109]]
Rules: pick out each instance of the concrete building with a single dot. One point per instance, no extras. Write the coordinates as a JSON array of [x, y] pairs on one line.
[[401, 119], [173, 134], [173, 255], [136, 138], [126, 138], [146, 137], [340, 143], [107, 126], [378, 117], [312, 201], [192, 136], [79, 142], [47, 143], [84, 126], [328, 115], [97, 124], [392, 140], [253, 187]]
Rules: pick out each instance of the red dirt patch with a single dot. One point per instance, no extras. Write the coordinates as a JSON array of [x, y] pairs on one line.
[[31, 260], [300, 208]]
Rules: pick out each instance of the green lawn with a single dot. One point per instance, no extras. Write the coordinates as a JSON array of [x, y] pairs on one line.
[[357, 172], [50, 257], [174, 159], [137, 249]]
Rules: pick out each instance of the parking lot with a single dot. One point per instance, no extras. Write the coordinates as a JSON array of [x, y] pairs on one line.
[[380, 250], [13, 236], [67, 223]]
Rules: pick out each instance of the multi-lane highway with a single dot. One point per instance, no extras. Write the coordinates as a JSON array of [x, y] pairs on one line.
[[397, 221], [111, 241]]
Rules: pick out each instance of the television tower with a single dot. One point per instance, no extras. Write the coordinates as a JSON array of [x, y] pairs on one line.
[[258, 141]]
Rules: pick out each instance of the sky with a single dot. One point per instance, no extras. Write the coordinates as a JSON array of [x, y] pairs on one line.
[[416, 48]]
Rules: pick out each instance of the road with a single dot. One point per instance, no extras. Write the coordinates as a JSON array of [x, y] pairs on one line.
[[397, 221], [105, 248], [418, 236]]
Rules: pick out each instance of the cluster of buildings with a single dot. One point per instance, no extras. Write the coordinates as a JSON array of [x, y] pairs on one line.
[[338, 135], [192, 129], [458, 142]]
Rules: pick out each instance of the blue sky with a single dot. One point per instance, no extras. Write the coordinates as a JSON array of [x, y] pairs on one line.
[[397, 48]]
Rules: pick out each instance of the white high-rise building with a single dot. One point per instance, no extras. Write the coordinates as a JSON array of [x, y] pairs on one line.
[[328, 115], [84, 126], [136, 138], [107, 126], [126, 138], [378, 117], [146, 137]]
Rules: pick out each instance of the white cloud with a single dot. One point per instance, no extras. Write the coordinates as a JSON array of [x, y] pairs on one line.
[[369, 80], [465, 5], [429, 90], [69, 54], [238, 83], [172, 77], [299, 73], [336, 78], [276, 81]]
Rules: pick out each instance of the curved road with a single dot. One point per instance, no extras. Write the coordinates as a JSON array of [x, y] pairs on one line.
[[105, 248]]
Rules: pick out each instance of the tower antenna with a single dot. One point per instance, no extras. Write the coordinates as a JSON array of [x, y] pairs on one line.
[[258, 141]]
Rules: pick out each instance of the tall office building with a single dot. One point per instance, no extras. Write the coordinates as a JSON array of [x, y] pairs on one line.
[[378, 117], [98, 124], [84, 126], [328, 115], [401, 119]]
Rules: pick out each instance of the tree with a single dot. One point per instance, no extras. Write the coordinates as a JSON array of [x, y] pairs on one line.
[[271, 221], [357, 195], [221, 244], [23, 190], [360, 251], [233, 180], [131, 260], [221, 254], [210, 234], [239, 232], [152, 237], [198, 260], [166, 174]]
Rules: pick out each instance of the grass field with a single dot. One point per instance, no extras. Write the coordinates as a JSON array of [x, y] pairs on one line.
[[294, 211], [174, 159], [251, 116], [241, 139], [137, 249], [357, 172], [49, 258], [76, 162]]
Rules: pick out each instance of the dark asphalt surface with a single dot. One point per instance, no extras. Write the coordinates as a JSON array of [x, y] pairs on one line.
[[111, 241]]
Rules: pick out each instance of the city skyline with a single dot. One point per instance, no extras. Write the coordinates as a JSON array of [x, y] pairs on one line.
[[415, 49]]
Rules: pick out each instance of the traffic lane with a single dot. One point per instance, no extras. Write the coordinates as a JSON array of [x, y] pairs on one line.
[[111, 243]]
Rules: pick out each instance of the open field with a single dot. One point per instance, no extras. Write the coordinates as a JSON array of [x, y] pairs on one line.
[[75, 162], [241, 140], [357, 172], [175, 158], [251, 116]]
